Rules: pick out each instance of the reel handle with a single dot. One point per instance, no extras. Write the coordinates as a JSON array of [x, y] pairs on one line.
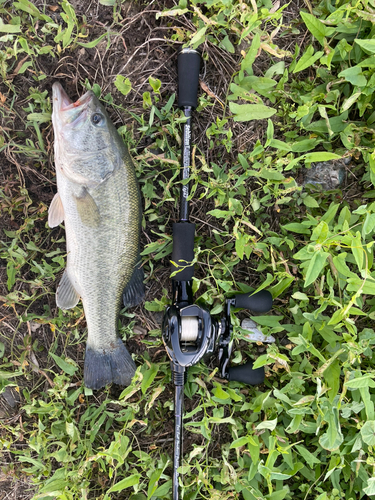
[[246, 374], [260, 302], [189, 61]]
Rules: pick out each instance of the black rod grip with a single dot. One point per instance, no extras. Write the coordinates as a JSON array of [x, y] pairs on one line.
[[246, 374], [260, 302], [183, 251], [189, 61]]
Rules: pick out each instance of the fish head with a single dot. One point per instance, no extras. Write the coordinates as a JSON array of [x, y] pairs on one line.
[[85, 138]]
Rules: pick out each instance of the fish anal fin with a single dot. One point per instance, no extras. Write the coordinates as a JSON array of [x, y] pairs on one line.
[[134, 291], [55, 212], [87, 209], [111, 365], [66, 295]]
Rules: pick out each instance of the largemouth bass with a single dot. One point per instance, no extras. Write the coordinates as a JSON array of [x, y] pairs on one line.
[[99, 201]]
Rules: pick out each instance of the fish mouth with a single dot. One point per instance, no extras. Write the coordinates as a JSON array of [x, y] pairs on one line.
[[65, 110]]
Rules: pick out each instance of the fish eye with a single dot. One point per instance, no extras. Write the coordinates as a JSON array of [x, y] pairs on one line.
[[97, 118]]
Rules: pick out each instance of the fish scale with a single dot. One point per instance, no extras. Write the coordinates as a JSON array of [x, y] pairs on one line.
[[99, 201], [108, 258]]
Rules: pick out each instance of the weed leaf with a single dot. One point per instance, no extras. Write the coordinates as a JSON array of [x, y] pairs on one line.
[[248, 112], [316, 27], [332, 438], [308, 59], [367, 45], [370, 488], [354, 75], [129, 481], [368, 432], [315, 267], [123, 84], [67, 367], [364, 381]]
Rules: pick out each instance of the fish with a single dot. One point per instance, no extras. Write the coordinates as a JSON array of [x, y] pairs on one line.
[[98, 199]]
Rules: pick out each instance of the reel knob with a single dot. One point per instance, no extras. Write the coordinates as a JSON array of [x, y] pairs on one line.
[[258, 303], [246, 374]]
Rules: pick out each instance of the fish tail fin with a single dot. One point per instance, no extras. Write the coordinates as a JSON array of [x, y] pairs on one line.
[[105, 366]]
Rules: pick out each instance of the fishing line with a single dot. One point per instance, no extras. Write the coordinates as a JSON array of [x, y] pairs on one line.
[[189, 329]]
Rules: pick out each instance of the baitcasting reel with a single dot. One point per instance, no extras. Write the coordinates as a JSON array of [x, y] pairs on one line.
[[190, 334]]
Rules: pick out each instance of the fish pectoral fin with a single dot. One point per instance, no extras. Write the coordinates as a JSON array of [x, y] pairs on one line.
[[66, 296], [55, 212], [134, 291], [88, 210]]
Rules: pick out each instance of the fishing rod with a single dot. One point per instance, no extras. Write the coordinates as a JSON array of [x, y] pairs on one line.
[[189, 331]]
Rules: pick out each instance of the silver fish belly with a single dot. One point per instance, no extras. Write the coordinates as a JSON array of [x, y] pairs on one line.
[[98, 199]]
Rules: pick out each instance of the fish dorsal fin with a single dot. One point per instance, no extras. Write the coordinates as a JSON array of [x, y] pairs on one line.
[[87, 209], [134, 291], [66, 296], [55, 212]]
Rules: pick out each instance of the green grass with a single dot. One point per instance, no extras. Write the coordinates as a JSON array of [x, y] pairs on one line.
[[286, 88]]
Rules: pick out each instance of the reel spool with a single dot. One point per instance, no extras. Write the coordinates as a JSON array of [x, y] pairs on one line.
[[187, 333], [189, 329]]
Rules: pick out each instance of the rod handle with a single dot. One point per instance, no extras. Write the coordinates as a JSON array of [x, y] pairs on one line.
[[246, 374], [189, 61], [183, 251], [260, 302]]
